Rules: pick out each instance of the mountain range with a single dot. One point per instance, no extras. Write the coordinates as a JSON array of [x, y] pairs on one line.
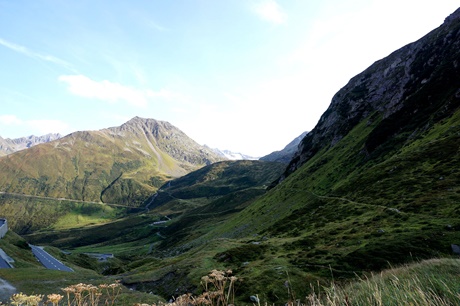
[[376, 183], [8, 146]]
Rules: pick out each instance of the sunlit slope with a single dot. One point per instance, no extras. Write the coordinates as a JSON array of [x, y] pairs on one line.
[[121, 165], [192, 208]]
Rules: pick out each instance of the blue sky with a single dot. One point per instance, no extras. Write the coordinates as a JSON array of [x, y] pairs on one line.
[[244, 75]]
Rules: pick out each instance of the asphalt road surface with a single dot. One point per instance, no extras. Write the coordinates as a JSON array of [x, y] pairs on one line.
[[49, 261], [6, 291], [4, 264]]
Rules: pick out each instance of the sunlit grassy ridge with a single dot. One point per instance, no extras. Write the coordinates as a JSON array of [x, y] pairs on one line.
[[29, 214], [122, 165]]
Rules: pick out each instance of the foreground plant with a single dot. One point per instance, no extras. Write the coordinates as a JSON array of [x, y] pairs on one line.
[[87, 294], [219, 288], [23, 299], [54, 298]]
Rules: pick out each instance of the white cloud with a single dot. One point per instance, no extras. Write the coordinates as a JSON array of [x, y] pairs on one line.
[[83, 86], [43, 57], [270, 11], [9, 120]]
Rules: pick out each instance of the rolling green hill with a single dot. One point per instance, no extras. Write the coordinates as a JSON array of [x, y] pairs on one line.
[[122, 165], [202, 198]]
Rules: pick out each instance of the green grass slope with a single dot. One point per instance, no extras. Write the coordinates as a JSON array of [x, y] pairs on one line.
[[122, 165], [374, 184], [212, 193], [28, 214], [338, 215]]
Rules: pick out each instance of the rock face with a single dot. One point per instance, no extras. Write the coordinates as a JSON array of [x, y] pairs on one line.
[[407, 90], [8, 146], [168, 139], [284, 156]]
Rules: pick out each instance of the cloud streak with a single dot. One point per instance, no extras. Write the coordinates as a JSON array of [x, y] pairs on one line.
[[111, 92], [32, 54], [269, 10]]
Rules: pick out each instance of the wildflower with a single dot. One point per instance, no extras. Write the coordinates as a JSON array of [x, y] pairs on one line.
[[54, 298]]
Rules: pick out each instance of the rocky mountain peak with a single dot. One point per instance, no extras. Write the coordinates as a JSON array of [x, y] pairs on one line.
[[404, 89], [285, 155], [8, 146], [452, 17]]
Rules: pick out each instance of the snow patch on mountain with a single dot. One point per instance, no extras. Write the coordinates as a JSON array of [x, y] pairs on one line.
[[233, 155]]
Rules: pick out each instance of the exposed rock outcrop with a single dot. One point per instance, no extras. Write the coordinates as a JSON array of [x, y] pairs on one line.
[[411, 87]]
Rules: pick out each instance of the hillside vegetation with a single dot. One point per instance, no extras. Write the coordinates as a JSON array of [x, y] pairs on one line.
[[121, 165], [27, 214], [374, 184]]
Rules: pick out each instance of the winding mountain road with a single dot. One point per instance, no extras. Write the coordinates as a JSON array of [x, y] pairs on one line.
[[62, 199], [49, 261]]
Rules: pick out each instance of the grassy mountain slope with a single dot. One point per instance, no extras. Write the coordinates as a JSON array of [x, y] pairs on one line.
[[29, 214], [375, 183], [123, 165], [334, 218], [199, 199], [195, 204]]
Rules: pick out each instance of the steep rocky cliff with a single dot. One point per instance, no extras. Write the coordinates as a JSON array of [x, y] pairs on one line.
[[405, 92]]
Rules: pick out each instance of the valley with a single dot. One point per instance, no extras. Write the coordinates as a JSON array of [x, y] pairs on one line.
[[369, 200]]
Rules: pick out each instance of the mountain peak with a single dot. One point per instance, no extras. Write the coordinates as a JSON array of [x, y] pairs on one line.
[[404, 92], [285, 155], [452, 17], [123, 164]]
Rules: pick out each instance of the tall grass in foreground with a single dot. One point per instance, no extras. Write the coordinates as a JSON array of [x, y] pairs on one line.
[[433, 282]]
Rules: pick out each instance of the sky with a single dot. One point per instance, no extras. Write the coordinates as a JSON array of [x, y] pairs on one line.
[[242, 75]]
